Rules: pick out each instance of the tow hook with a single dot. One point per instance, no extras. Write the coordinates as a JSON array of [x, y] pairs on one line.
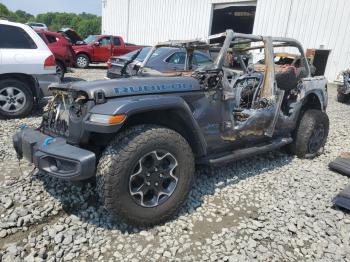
[[48, 141]]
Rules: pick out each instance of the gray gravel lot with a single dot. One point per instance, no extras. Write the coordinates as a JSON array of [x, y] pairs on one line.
[[274, 207]]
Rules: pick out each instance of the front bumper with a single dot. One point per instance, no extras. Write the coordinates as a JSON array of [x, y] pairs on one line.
[[54, 156]]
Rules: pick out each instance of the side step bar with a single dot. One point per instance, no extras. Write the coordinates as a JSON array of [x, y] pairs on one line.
[[251, 151]]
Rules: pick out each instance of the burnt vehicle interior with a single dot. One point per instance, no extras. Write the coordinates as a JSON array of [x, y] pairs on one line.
[[256, 92]]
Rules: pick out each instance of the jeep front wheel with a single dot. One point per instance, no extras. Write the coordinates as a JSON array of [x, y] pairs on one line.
[[311, 134], [145, 175]]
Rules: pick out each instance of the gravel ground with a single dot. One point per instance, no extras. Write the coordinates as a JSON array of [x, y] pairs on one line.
[[267, 208]]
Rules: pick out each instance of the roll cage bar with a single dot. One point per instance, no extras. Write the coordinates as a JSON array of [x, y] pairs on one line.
[[231, 39]]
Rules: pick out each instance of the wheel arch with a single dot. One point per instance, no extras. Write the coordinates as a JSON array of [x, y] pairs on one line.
[[314, 100], [168, 111], [172, 118], [28, 79], [83, 53]]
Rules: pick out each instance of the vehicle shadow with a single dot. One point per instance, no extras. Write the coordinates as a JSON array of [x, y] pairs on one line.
[[81, 199], [98, 66], [69, 79]]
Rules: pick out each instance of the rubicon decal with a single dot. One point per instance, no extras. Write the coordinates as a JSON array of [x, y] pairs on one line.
[[152, 88]]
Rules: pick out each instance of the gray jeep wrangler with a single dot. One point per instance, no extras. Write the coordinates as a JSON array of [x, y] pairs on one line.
[[141, 136]]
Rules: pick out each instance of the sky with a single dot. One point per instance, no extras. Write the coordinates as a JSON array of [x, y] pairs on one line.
[[42, 6]]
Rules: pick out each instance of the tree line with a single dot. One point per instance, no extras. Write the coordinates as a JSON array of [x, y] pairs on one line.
[[85, 24]]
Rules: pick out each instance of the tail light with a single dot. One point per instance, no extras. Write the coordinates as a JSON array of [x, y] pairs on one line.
[[109, 63], [50, 63]]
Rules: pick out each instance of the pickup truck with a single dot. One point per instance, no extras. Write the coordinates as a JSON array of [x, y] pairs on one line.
[[96, 48]]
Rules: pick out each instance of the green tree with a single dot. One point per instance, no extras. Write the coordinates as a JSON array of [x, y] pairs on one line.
[[23, 17], [89, 27], [85, 24], [4, 12]]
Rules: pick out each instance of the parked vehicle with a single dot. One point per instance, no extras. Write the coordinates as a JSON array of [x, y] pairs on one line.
[[165, 59], [96, 48], [27, 67], [119, 66], [37, 26], [62, 50], [344, 87], [142, 136]]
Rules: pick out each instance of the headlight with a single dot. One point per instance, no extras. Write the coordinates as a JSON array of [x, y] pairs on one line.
[[107, 119]]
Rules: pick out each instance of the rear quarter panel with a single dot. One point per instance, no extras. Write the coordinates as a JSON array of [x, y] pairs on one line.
[[318, 86]]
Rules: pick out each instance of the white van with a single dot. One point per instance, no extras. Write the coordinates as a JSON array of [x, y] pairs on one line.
[[27, 67], [35, 25]]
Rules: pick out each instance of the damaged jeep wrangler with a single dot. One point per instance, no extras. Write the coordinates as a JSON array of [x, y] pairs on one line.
[[141, 136]]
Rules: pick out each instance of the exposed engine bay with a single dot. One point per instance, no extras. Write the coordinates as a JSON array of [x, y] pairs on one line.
[[65, 106]]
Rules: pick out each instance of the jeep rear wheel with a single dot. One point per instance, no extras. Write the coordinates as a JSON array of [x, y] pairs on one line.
[[145, 175], [311, 134], [16, 98]]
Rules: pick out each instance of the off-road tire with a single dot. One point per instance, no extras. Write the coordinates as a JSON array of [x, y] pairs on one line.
[[23, 87], [85, 58], [60, 70], [342, 98], [307, 124], [116, 164]]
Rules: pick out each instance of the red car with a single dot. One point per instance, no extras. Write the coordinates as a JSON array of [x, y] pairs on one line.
[[96, 48], [62, 50]]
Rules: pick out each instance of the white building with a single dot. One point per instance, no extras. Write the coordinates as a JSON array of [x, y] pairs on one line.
[[318, 24]]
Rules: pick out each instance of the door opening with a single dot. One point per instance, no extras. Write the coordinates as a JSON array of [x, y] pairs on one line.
[[240, 18]]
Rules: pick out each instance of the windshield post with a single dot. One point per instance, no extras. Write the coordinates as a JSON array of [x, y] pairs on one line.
[[222, 54]]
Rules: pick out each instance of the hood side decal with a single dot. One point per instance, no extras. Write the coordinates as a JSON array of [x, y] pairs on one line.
[[141, 89]]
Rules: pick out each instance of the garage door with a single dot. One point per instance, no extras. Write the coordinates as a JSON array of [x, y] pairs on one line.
[[238, 16]]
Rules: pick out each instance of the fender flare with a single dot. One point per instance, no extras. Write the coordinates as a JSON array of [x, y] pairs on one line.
[[321, 96], [143, 104]]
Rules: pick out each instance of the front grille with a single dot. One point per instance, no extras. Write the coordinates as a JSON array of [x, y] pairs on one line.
[[54, 127], [56, 117]]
